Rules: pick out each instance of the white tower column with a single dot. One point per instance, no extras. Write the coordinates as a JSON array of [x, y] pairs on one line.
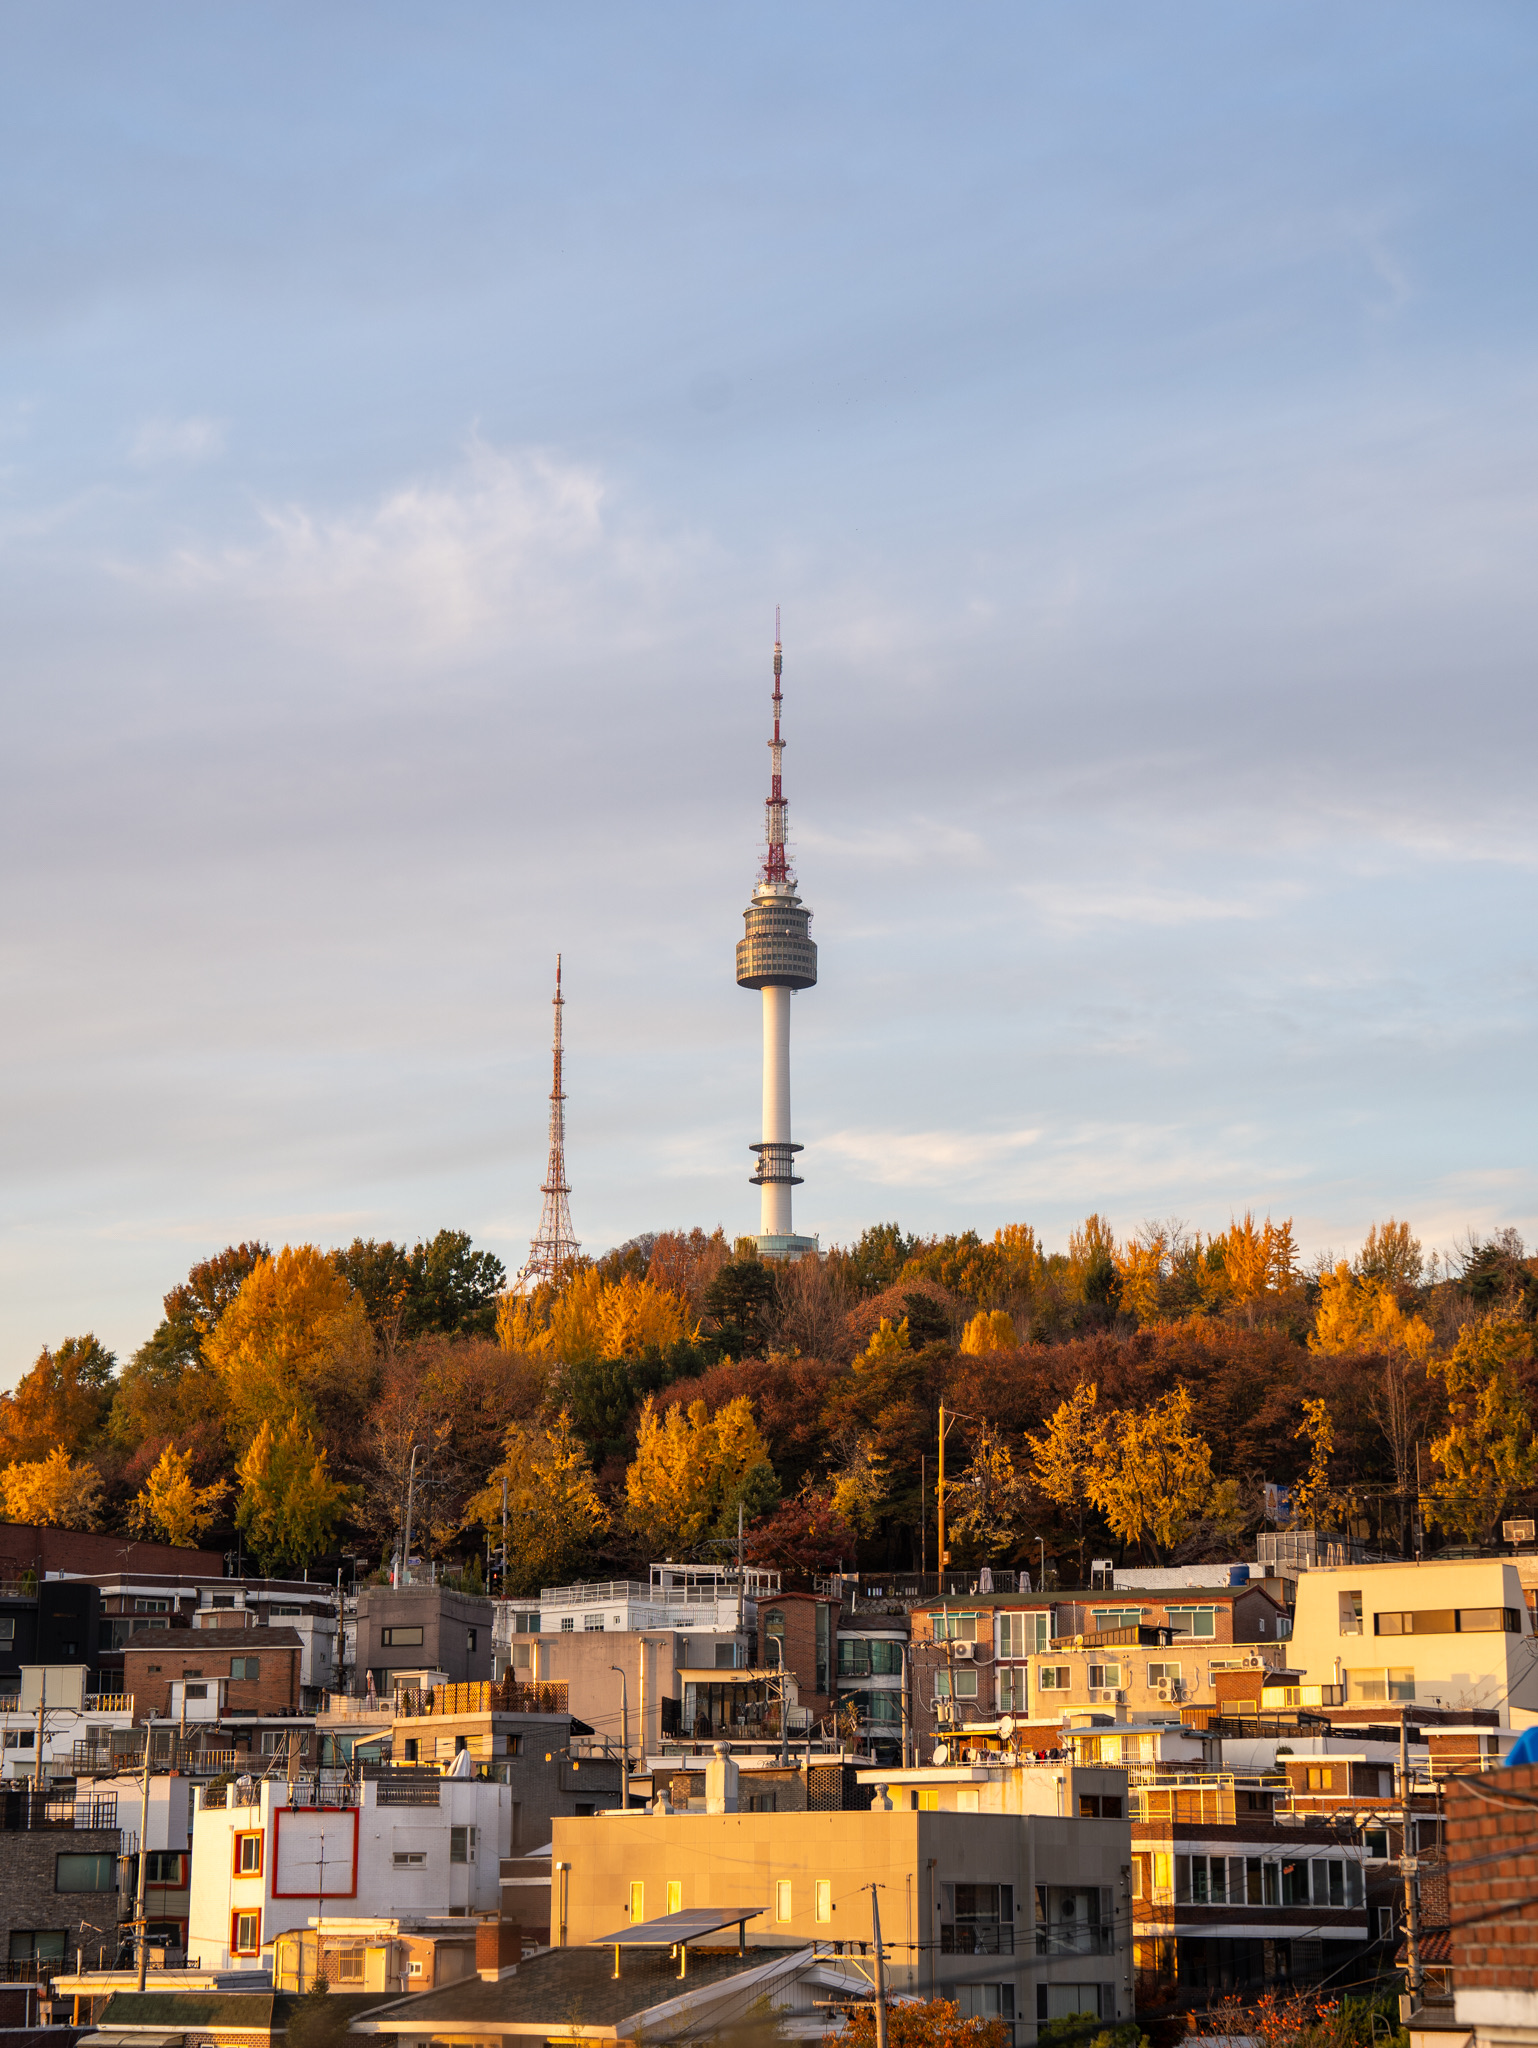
[[774, 1207]]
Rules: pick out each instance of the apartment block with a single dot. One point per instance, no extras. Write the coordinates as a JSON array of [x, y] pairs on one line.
[[1455, 1636], [411, 1629], [1016, 1917], [208, 1674], [59, 1897]]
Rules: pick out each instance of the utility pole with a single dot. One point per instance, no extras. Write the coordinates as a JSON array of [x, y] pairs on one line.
[[624, 1722], [504, 1536], [875, 1927], [779, 1644], [940, 1507], [411, 1488], [42, 1702], [923, 1516], [144, 1860], [1409, 1864]]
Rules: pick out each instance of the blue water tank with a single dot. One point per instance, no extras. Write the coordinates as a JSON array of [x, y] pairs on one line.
[[1238, 1575]]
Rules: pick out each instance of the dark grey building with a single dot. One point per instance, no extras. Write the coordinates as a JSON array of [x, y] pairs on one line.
[[54, 1623], [422, 1628], [58, 1883]]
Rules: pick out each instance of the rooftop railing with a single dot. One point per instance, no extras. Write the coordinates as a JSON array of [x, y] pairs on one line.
[[24, 1810]]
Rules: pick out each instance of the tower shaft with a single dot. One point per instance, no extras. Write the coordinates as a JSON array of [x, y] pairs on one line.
[[774, 1194], [555, 1247]]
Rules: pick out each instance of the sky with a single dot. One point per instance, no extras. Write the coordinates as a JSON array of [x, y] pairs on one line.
[[409, 421]]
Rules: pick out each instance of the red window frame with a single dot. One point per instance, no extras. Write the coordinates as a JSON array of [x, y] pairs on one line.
[[245, 1913], [248, 1835]]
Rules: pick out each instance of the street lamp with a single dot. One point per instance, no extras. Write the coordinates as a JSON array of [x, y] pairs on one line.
[[624, 1721], [779, 1644]]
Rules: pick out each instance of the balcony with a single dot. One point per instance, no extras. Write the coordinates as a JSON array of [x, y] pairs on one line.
[[23, 1811], [977, 1938], [1078, 1938]]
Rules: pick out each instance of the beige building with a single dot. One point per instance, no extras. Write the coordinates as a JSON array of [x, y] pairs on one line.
[[1451, 1635], [1021, 1916]]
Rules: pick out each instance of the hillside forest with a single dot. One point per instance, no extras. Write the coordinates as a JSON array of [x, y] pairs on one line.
[[1158, 1398]]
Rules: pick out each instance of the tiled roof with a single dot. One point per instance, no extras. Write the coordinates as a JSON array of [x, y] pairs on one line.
[[214, 1639]]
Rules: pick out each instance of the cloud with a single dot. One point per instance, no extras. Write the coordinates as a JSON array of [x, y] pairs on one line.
[[177, 441], [925, 1158]]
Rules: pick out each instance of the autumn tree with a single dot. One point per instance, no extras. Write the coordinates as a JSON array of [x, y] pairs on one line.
[[289, 1503], [989, 1510], [1258, 1260], [554, 1513], [684, 1262], [1391, 1256], [1150, 1471], [989, 1330], [53, 1490], [691, 1472], [1061, 1459], [60, 1404], [1487, 1454], [937, 2024], [441, 1287], [739, 1301], [1313, 1500], [877, 1258], [803, 1536], [861, 1485], [170, 1506], [296, 1339], [168, 1389], [1363, 1314], [594, 1317]]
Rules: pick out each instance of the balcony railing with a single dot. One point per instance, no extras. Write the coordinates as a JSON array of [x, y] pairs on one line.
[[26, 1810], [977, 1938], [1081, 1939], [109, 1703], [593, 1593]]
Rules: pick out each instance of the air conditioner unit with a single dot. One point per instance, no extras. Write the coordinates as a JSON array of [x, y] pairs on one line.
[[965, 1651], [1165, 1689]]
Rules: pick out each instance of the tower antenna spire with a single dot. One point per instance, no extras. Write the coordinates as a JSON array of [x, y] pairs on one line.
[[553, 1250], [776, 870]]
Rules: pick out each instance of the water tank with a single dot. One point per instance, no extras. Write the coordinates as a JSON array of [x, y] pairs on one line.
[[1238, 1575]]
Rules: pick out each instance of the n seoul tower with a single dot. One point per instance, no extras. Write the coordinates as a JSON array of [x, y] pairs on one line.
[[775, 955]]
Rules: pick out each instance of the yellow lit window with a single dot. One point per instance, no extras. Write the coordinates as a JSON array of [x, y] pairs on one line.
[[675, 1895], [929, 1802], [782, 1899], [824, 1899], [638, 1902], [1320, 1779]]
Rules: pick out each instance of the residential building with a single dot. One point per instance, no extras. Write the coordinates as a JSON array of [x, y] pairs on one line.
[[32, 1552], [47, 1622], [165, 1818], [213, 1674], [800, 1632], [405, 1630], [986, 1655], [872, 1674], [59, 1899], [1454, 1635], [547, 1760], [1020, 1917], [54, 1708], [268, 1854], [678, 1599], [420, 1952], [219, 2016], [133, 1601]]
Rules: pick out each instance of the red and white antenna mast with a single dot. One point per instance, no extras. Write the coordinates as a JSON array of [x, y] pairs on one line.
[[775, 869], [553, 1250]]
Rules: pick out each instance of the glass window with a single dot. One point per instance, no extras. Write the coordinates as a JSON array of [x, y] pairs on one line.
[[1105, 1675], [85, 1873], [349, 1965], [783, 1898], [401, 1638], [1116, 1617], [675, 1895], [197, 1692], [1169, 1673], [409, 1859], [568, 1625], [1375, 1842], [165, 1867], [1054, 1678], [955, 1628], [36, 1944], [824, 1897], [1351, 1614], [1366, 1685], [461, 1845], [1473, 1621], [637, 1902], [1193, 1621], [245, 1667], [886, 1659], [1401, 1685], [248, 1855], [246, 1933]]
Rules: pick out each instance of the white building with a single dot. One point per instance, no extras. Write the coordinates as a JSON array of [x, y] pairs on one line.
[[1456, 1634], [53, 1702], [267, 1861], [681, 1599]]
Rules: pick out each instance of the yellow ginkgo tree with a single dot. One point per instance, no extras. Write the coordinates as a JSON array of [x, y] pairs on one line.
[[53, 1490], [170, 1506]]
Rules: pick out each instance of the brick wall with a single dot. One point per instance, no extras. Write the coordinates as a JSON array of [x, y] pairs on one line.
[[1494, 1904], [31, 1902], [25, 1547], [800, 1612], [159, 1658]]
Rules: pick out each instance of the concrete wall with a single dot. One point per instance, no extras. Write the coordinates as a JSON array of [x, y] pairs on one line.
[[742, 1859], [582, 1662]]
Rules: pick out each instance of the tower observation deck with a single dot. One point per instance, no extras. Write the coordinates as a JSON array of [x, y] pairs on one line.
[[776, 956]]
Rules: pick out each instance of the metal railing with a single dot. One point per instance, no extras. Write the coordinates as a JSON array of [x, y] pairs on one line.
[[23, 1811], [593, 1592], [108, 1703], [402, 1790]]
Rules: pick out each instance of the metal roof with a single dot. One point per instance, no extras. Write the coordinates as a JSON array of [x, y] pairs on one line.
[[672, 1928]]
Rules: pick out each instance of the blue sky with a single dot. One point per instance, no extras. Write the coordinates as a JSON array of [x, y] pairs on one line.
[[409, 420]]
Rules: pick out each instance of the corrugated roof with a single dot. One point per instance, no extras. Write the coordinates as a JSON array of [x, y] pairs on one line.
[[572, 1987], [212, 1639]]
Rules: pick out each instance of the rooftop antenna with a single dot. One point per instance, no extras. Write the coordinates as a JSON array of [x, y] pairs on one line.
[[555, 1248]]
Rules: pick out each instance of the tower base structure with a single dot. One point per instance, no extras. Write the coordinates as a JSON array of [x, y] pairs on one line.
[[788, 1247]]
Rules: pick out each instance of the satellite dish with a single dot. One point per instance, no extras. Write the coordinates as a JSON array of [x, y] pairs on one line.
[[942, 1755], [1006, 1727]]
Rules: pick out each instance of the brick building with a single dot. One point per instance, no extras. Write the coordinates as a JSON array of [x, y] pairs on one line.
[[58, 1884], [35, 1549], [1492, 1872], [208, 1674], [805, 1625]]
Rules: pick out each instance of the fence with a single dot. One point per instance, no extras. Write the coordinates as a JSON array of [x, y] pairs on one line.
[[25, 1810]]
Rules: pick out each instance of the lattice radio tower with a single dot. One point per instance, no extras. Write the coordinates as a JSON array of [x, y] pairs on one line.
[[553, 1250]]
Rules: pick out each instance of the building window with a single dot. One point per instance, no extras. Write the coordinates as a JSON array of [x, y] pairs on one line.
[[1105, 1677], [824, 1897], [1351, 1614], [471, 1638], [637, 1904], [782, 1899], [85, 1873], [568, 1625], [400, 1638], [1375, 1842], [955, 1628], [929, 1801], [7, 1628], [152, 1607], [675, 1895], [1193, 1621], [461, 1845], [248, 1855], [349, 1965], [1165, 1674], [409, 1859], [1116, 1617], [978, 1919], [37, 1945], [1014, 1691], [1449, 1621], [1054, 1678], [592, 1624], [1022, 1634], [196, 1692], [245, 1667], [986, 2001], [165, 1867], [965, 1687], [245, 1934]]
